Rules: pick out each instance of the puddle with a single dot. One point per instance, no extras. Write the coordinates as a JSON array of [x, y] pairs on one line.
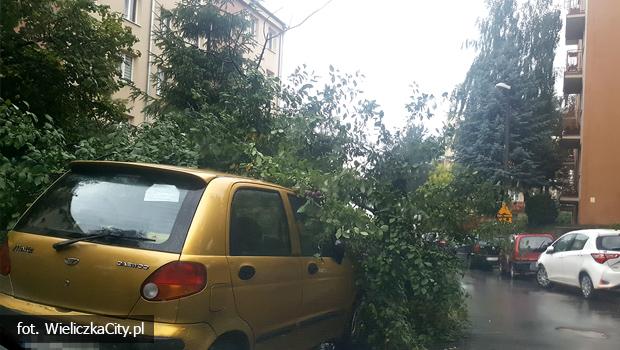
[[583, 332]]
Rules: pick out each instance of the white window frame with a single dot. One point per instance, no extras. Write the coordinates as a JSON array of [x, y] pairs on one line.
[[158, 83], [272, 39], [130, 10], [126, 57], [253, 29], [164, 23]]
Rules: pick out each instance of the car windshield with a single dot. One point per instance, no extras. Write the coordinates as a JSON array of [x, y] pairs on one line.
[[155, 206], [608, 243], [532, 244]]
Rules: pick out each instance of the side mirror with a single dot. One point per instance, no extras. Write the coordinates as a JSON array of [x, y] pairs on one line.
[[338, 251], [550, 250]]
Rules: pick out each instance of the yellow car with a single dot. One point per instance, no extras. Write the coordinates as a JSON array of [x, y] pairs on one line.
[[217, 261]]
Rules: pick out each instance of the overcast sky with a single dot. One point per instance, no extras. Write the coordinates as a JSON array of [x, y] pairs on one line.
[[393, 42]]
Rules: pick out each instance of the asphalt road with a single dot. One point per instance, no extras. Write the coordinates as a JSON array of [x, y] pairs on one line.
[[516, 314]]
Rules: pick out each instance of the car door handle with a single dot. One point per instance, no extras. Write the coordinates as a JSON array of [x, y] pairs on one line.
[[313, 268], [246, 272]]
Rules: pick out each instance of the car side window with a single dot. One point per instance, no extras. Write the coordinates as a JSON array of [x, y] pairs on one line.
[[258, 224], [564, 243], [311, 229], [579, 242]]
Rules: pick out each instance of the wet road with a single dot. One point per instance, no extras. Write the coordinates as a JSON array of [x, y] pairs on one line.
[[516, 314]]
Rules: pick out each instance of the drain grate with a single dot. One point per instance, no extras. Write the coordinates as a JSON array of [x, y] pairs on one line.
[[587, 333]]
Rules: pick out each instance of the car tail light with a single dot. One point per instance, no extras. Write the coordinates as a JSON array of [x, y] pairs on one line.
[[5, 261], [174, 280], [601, 258]]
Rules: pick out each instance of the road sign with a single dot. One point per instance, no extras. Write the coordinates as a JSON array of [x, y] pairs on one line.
[[504, 214]]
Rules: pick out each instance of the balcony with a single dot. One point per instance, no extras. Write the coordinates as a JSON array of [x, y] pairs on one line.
[[571, 123], [573, 75], [568, 178], [575, 21]]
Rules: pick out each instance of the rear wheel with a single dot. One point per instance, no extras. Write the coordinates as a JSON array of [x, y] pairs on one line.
[[352, 331], [541, 277], [587, 287]]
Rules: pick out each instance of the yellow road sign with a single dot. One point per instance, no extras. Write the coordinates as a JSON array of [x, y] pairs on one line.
[[504, 214]]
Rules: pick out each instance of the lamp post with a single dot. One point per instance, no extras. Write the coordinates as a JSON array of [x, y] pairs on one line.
[[502, 215], [506, 87]]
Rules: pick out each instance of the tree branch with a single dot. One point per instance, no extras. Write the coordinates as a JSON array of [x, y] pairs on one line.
[[269, 37]]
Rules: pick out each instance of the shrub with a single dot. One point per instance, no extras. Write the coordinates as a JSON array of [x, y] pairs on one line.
[[30, 158], [541, 209]]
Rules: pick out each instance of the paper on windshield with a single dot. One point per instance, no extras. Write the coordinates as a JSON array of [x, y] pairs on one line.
[[162, 193]]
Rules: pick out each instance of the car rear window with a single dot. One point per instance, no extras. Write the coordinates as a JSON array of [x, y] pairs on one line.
[[154, 204], [531, 244], [608, 243]]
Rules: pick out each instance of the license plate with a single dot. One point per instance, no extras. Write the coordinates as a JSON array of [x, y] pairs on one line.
[[533, 266], [492, 258]]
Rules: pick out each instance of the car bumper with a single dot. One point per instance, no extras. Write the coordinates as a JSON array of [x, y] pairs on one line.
[[525, 266], [164, 335], [610, 279], [490, 260]]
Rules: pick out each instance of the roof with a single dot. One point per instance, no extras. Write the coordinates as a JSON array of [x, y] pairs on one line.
[[269, 16], [205, 174]]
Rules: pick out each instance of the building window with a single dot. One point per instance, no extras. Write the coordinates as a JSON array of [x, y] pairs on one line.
[[164, 22], [130, 10], [126, 67], [161, 77], [252, 26], [272, 40]]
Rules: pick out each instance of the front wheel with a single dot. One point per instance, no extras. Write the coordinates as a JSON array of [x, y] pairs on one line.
[[352, 330], [587, 287], [541, 277]]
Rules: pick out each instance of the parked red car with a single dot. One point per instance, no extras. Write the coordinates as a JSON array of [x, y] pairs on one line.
[[523, 252]]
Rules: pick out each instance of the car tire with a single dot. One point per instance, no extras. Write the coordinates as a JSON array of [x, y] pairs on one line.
[[541, 277], [351, 332], [586, 285]]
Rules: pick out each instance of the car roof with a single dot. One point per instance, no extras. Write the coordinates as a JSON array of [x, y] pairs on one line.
[[205, 174], [595, 232], [542, 234]]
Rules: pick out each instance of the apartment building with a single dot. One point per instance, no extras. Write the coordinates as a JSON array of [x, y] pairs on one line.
[[591, 119], [142, 17]]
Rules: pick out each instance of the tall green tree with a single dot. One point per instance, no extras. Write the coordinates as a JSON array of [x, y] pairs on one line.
[[516, 46], [62, 58], [206, 82]]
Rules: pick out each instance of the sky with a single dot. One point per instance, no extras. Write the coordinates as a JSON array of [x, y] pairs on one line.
[[394, 43]]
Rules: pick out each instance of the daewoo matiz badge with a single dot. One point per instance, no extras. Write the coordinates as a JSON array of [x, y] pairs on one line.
[[22, 249], [132, 265]]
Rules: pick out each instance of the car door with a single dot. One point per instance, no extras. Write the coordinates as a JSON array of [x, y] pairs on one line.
[[553, 263], [264, 270], [572, 260], [328, 286]]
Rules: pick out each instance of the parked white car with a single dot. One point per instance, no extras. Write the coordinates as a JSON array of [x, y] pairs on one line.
[[588, 259]]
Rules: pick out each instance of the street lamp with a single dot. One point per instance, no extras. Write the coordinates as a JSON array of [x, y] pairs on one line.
[[506, 87]]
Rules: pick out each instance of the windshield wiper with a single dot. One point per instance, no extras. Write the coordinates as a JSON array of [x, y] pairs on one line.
[[103, 233]]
